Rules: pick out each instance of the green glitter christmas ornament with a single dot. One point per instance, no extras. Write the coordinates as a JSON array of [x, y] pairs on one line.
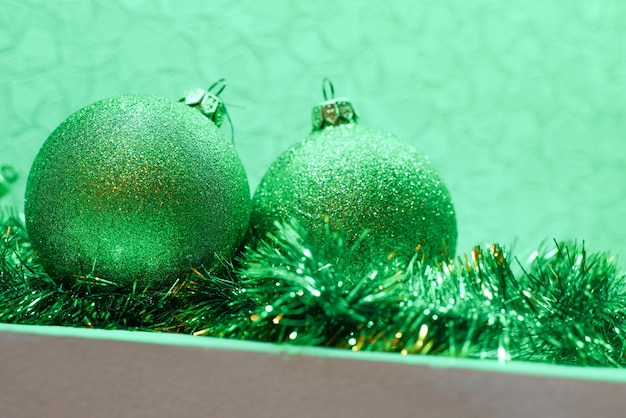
[[354, 179], [137, 187]]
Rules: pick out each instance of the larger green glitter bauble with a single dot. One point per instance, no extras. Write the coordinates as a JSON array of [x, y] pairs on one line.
[[354, 179], [135, 187]]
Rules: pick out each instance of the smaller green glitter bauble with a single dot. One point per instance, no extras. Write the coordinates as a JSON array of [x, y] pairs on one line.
[[356, 179], [135, 187]]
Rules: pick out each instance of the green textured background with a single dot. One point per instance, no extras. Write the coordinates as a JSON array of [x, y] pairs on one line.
[[520, 104]]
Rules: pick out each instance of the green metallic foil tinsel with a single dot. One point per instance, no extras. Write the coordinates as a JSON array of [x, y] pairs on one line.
[[562, 305]]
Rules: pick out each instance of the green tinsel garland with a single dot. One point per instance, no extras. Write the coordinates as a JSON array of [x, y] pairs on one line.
[[565, 306]]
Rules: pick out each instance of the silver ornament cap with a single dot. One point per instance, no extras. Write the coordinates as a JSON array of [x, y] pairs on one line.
[[332, 111], [208, 101]]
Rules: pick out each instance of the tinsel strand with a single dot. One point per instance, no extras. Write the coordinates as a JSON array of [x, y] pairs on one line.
[[565, 305]]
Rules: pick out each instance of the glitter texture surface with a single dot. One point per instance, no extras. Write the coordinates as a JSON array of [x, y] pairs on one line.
[[359, 179], [135, 187]]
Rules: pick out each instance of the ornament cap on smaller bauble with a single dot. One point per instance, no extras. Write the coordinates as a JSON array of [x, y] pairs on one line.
[[332, 111], [208, 101]]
